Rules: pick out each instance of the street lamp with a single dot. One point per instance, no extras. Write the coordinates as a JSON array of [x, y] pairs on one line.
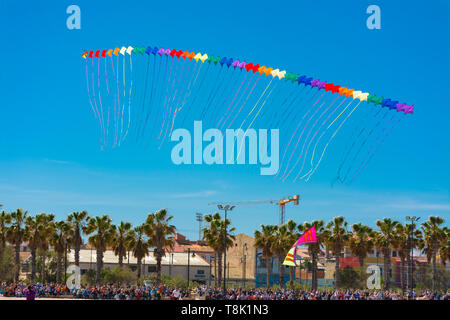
[[226, 209], [410, 273], [244, 262], [189, 265], [211, 258]]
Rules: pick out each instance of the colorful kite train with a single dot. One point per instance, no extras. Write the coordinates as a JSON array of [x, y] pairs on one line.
[[147, 92]]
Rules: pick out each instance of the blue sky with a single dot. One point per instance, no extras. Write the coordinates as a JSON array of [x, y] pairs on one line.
[[51, 160]]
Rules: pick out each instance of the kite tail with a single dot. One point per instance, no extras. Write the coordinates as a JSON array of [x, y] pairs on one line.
[[362, 144], [360, 170], [301, 134], [231, 103], [312, 139], [326, 146]]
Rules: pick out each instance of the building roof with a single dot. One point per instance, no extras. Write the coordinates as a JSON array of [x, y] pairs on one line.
[[179, 258]]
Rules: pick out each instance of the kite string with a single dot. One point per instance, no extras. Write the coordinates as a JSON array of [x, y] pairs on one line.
[[298, 126], [364, 142], [388, 131], [129, 100], [89, 95], [312, 139], [332, 137], [245, 101], [376, 150], [231, 103]]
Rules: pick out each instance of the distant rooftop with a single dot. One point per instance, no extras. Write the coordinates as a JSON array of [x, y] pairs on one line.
[[179, 258]]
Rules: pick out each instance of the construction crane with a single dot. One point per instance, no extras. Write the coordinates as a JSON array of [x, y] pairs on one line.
[[281, 203]]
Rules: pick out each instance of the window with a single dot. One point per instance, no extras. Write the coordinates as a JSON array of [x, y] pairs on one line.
[[151, 269], [200, 271]]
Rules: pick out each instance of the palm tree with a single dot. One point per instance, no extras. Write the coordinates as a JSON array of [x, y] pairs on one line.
[[293, 235], [211, 236], [104, 232], [78, 220], [281, 245], [385, 241], [445, 248], [314, 248], [337, 238], [404, 244], [434, 238], [160, 233], [263, 241], [46, 229], [32, 238], [215, 237], [119, 241], [59, 242], [139, 246], [361, 243], [5, 220], [15, 236]]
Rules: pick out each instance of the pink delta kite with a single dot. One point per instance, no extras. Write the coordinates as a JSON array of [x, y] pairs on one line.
[[308, 237]]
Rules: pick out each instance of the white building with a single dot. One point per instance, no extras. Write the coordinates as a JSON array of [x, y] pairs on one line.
[[174, 263]]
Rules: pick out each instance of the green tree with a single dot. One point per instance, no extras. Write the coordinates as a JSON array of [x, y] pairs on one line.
[[160, 233], [118, 275], [7, 264], [139, 246], [211, 236], [315, 248], [336, 238], [281, 245], [78, 221], [434, 238], [46, 230], [349, 278], [119, 241], [59, 241], [404, 243], [32, 237], [385, 241], [361, 243], [102, 232], [5, 220], [15, 236], [293, 235], [263, 241]]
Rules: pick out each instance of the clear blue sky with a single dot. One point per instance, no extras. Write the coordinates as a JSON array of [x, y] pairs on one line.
[[51, 159]]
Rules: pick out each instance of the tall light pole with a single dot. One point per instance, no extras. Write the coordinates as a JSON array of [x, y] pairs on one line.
[[244, 262], [188, 266], [199, 218], [226, 209], [411, 244], [211, 258]]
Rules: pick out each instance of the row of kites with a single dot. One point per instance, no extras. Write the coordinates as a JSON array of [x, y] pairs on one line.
[[144, 93]]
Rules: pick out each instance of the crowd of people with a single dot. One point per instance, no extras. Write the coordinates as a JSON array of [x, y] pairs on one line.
[[149, 292]]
